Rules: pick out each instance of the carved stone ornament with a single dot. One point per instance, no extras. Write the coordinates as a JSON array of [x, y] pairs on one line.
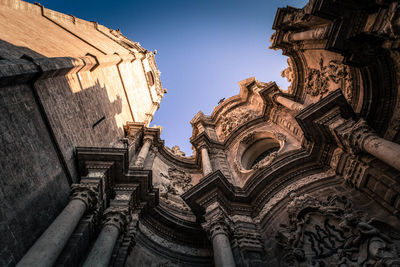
[[117, 216], [173, 186], [317, 80], [234, 119], [288, 73], [216, 224], [176, 150], [86, 192], [266, 161], [391, 23], [353, 134], [331, 233]]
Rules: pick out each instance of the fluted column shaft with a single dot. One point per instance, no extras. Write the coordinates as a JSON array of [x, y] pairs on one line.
[[147, 141], [207, 169], [48, 247], [290, 104]]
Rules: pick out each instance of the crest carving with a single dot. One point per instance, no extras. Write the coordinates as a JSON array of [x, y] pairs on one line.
[[331, 233]]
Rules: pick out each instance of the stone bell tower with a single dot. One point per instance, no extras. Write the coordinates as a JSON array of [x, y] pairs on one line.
[[65, 83]]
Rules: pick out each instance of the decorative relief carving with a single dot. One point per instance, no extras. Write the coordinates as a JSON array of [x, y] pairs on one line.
[[173, 186], [266, 161], [234, 119], [317, 80], [88, 193], [353, 134], [176, 150], [117, 216], [331, 233]]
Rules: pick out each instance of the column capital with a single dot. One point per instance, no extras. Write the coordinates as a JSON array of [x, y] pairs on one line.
[[87, 193], [116, 216], [202, 145], [148, 138], [352, 134], [217, 223]]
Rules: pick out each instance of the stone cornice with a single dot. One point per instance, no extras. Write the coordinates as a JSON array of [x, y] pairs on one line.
[[311, 119]]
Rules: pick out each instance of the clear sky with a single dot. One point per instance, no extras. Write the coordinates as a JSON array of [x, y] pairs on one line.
[[205, 47]]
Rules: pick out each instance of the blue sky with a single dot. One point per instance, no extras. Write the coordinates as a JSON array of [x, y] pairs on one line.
[[205, 47]]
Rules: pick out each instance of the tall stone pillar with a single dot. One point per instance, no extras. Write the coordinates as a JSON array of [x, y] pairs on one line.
[[114, 222], [48, 247], [358, 136], [217, 228], [290, 104], [147, 141], [207, 169]]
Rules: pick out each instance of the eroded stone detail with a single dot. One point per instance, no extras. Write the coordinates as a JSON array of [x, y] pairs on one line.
[[317, 80], [117, 216], [173, 185], [331, 233], [288, 73], [176, 150]]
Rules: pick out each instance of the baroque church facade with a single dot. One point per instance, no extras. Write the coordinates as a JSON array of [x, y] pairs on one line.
[[304, 177]]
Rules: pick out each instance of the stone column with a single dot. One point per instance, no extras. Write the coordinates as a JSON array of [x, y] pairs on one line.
[[147, 141], [207, 169], [290, 104], [358, 136], [48, 247], [114, 222], [217, 227], [223, 256], [314, 34]]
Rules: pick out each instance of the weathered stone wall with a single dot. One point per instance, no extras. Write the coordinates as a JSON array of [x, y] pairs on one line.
[[34, 187], [77, 85]]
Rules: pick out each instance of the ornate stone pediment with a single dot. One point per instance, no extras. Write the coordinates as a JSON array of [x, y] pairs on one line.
[[331, 233]]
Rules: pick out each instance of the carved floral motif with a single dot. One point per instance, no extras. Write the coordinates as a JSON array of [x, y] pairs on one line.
[[331, 233], [317, 80]]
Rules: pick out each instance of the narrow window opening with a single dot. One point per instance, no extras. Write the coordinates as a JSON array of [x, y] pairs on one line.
[[97, 122], [150, 77]]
